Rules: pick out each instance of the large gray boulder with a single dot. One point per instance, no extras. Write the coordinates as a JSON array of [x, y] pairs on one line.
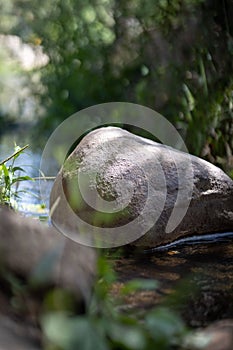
[[118, 188]]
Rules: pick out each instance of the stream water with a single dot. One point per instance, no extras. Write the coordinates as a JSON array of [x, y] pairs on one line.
[[196, 276]]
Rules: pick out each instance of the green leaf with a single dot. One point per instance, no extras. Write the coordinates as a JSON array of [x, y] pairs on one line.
[[72, 332], [59, 299], [6, 175], [5, 170], [131, 337], [190, 98], [17, 168], [139, 284], [21, 178], [164, 324]]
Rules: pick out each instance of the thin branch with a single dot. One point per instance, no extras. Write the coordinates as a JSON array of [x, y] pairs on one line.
[[14, 154], [44, 178]]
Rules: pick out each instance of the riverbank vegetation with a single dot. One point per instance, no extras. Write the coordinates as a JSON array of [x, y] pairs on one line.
[[10, 177], [173, 56]]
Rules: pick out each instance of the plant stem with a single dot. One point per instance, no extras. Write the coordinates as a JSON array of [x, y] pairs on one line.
[[13, 155]]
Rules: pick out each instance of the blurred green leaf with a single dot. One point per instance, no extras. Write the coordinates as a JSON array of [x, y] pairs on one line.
[[130, 337], [21, 178], [17, 168], [164, 324], [139, 284], [58, 300], [72, 333]]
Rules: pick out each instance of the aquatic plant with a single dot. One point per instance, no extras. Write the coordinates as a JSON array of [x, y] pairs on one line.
[[10, 177]]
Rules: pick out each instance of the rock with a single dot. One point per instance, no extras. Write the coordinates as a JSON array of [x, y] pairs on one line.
[[41, 254], [13, 336], [117, 188], [217, 336]]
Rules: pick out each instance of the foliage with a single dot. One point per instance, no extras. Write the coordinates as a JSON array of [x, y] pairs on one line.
[[18, 99], [10, 178], [173, 56], [104, 326]]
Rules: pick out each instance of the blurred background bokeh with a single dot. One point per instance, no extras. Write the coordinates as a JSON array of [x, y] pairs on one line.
[[174, 56]]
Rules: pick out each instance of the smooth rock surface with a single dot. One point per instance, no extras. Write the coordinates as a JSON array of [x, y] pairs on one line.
[[167, 194]]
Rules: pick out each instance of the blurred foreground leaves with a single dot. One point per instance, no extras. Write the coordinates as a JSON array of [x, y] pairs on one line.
[[104, 326]]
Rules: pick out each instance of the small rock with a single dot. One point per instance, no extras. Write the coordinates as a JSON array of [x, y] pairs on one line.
[[218, 336]]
